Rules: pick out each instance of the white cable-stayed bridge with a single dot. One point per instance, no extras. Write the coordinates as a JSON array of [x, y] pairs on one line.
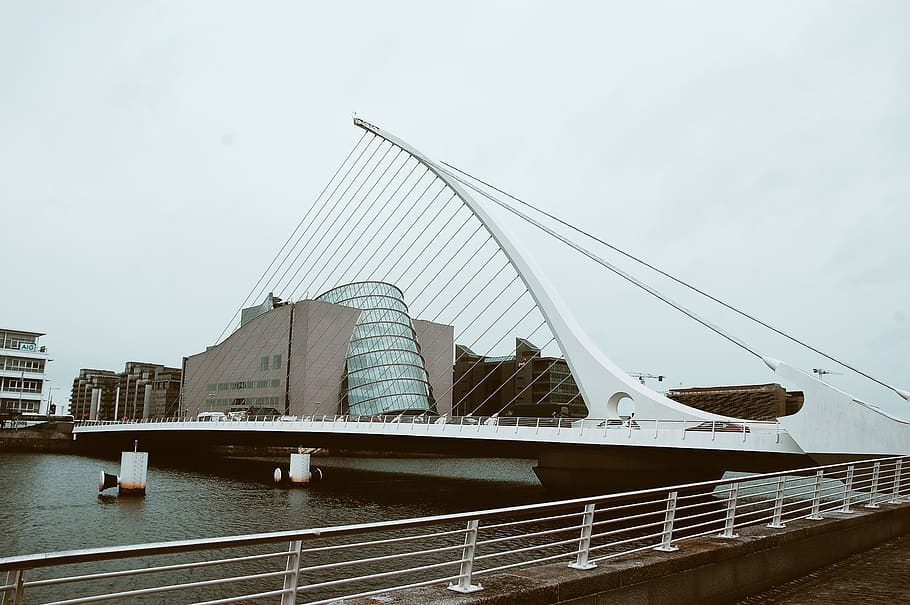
[[410, 251]]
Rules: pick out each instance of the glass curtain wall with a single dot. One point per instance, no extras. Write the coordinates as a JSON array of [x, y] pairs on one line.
[[385, 371]]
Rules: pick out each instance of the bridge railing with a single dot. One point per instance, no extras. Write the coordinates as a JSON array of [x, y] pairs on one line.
[[320, 566], [607, 427]]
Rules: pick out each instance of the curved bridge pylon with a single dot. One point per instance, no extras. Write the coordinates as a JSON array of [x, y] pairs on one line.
[[601, 382]]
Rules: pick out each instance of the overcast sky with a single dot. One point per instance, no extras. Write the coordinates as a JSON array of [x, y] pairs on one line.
[[155, 155]]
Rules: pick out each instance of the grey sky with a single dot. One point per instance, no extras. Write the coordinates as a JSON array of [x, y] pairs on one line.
[[155, 156]]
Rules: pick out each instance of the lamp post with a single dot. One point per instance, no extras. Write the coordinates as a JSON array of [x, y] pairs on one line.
[[50, 399], [22, 383]]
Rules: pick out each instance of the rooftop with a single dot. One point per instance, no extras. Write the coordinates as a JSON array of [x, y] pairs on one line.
[[21, 332]]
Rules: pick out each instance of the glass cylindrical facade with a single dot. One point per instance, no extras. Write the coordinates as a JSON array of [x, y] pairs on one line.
[[385, 371]]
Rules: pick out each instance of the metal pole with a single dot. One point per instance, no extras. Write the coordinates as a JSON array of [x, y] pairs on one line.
[[584, 541], [848, 487], [730, 519], [667, 533], [778, 505], [467, 560], [14, 578], [896, 491], [817, 497], [292, 574], [874, 495]]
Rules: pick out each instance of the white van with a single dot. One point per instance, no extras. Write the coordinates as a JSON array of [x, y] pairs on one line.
[[211, 417]]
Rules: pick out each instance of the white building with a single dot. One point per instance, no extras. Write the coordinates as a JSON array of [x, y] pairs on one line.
[[23, 366]]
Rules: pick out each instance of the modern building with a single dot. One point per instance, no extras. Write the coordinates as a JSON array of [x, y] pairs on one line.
[[352, 350], [23, 365], [751, 401], [141, 390], [526, 384], [93, 396]]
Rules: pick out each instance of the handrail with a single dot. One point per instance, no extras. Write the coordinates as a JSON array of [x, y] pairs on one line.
[[762, 435], [712, 426], [580, 531]]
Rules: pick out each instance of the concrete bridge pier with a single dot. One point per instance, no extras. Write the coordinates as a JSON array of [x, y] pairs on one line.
[[299, 471]]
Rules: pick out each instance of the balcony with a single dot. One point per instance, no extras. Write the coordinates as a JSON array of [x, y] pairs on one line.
[[25, 395]]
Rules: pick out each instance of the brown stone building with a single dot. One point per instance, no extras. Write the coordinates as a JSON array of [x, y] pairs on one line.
[[526, 384], [141, 390], [751, 402], [93, 394]]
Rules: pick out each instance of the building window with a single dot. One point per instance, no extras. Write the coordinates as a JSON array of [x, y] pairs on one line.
[[276, 362], [264, 363]]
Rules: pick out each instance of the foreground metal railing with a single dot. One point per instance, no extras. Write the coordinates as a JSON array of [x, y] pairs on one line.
[[325, 564]]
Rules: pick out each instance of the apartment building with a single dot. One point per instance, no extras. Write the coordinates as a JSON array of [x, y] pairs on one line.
[[23, 365], [141, 390]]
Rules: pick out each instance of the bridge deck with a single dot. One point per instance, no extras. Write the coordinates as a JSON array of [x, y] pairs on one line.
[[690, 435]]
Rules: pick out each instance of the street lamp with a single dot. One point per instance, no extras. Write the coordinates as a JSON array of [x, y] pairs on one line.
[[50, 400]]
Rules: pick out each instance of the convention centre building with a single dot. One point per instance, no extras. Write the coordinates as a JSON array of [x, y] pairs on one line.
[[352, 350]]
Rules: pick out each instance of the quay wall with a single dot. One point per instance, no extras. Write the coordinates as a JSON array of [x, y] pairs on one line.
[[35, 440], [704, 570]]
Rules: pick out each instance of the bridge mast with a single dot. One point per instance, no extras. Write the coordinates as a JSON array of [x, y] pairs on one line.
[[602, 383]]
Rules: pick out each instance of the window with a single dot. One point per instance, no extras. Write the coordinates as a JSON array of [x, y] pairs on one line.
[[276, 362], [264, 363]]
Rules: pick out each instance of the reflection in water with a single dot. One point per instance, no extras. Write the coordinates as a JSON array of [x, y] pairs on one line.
[[51, 502]]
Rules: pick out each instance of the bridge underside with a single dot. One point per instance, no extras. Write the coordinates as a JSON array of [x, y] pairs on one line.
[[564, 467]]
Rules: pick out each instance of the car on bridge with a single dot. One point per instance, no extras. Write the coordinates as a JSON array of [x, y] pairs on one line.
[[720, 427], [211, 416]]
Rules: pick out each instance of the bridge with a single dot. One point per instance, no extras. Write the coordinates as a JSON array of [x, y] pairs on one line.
[[587, 455], [397, 235]]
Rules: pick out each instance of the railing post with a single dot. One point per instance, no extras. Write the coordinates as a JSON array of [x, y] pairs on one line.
[[467, 560], [730, 518], [15, 578], [876, 469], [896, 490], [848, 487], [817, 497], [666, 537], [292, 574], [584, 541], [778, 505]]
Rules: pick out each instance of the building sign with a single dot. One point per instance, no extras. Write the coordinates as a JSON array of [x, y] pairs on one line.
[[28, 346]]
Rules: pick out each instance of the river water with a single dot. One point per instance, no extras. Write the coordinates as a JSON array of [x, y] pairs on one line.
[[51, 502]]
